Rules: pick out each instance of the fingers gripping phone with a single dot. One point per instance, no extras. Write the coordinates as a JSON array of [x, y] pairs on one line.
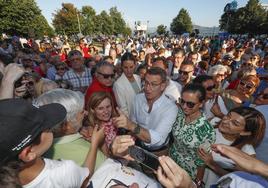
[[144, 157]]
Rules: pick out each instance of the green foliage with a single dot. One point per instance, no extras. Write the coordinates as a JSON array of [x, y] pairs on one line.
[[251, 19], [65, 21], [23, 18], [161, 29], [181, 23]]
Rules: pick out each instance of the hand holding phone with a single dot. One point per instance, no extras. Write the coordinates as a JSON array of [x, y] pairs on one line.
[[144, 157]]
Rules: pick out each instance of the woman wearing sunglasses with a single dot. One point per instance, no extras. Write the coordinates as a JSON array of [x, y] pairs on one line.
[[190, 130], [241, 96], [243, 128]]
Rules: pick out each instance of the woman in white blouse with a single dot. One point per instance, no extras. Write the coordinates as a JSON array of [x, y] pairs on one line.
[[127, 85], [243, 128]]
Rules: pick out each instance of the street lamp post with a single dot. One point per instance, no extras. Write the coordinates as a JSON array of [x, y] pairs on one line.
[[78, 20]]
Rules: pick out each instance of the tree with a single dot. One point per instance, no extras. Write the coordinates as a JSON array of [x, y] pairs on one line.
[[65, 20], [89, 20], [21, 17], [181, 23], [118, 21], [105, 23], [250, 19], [161, 29]]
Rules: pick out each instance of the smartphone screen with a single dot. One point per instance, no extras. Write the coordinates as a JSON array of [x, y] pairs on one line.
[[144, 157]]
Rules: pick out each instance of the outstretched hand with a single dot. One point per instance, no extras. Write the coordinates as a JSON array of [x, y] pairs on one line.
[[172, 175], [121, 121]]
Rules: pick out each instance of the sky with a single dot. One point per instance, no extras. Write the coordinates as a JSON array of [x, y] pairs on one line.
[[156, 12]]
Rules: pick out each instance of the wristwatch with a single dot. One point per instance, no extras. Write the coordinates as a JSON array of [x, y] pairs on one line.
[[137, 129]]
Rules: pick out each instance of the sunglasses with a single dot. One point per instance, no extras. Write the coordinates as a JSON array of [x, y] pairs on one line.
[[184, 72], [106, 76], [210, 88], [248, 86], [188, 103], [30, 83]]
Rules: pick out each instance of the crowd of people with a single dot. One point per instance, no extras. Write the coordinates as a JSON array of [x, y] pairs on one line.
[[71, 113]]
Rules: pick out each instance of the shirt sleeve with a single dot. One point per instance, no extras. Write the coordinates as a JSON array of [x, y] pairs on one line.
[[119, 94], [160, 132], [72, 174]]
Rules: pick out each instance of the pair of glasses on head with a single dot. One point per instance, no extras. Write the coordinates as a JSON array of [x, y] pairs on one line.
[[246, 85], [185, 72], [107, 76], [210, 88], [189, 104]]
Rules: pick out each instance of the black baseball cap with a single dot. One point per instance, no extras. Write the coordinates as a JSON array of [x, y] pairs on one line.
[[21, 122]]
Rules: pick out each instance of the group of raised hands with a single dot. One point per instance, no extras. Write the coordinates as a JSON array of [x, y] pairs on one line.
[[172, 175]]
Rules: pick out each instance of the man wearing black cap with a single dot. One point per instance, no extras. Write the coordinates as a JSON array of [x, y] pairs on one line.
[[25, 136]]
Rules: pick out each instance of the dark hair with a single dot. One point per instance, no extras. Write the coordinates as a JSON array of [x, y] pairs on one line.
[[103, 64], [255, 123], [127, 56], [163, 59], [178, 51], [187, 63], [195, 88], [158, 71], [200, 79], [74, 52], [9, 175], [142, 66]]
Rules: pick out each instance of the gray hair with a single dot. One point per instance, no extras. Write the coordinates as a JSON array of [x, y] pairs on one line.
[[216, 69], [71, 100], [102, 64]]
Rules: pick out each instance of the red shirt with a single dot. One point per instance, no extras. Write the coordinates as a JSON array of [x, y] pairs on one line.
[[233, 84], [95, 87]]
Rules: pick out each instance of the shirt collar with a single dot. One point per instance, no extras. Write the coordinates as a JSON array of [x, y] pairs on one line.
[[67, 139]]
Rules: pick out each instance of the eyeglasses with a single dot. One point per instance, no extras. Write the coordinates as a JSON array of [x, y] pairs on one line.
[[247, 64], [185, 72], [246, 85], [107, 76], [253, 58], [210, 88], [189, 104], [152, 85]]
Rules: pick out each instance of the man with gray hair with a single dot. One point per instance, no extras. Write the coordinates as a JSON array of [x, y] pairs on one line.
[[68, 143], [79, 75], [102, 81]]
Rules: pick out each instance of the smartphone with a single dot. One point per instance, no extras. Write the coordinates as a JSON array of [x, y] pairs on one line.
[[144, 157]]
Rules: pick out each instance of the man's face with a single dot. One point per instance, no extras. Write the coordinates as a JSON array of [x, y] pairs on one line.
[[179, 58], [186, 73], [105, 76], [209, 86], [77, 62], [193, 58], [128, 68], [153, 86]]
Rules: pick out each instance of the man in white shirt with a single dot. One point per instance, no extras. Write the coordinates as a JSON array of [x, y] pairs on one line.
[[173, 89], [153, 113]]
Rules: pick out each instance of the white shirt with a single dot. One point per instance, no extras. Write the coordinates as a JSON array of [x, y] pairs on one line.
[[55, 174], [158, 122], [262, 149], [112, 171], [173, 90], [210, 177]]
